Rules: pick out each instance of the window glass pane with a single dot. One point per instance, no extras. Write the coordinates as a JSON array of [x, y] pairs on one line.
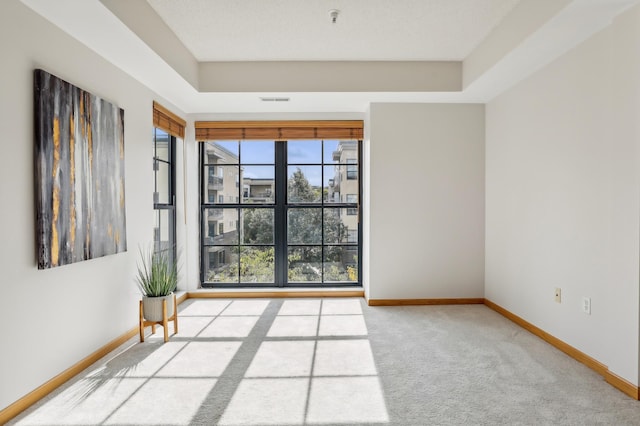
[[305, 264], [161, 145], [221, 152], [164, 229], [257, 152], [338, 226], [257, 226], [340, 263], [330, 147], [221, 264], [221, 184], [256, 264], [351, 199], [340, 152], [162, 183], [331, 184], [220, 226], [304, 226], [303, 184], [338, 182], [304, 152], [258, 184], [352, 169], [163, 234]]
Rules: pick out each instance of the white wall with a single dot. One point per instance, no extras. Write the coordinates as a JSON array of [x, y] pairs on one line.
[[365, 198], [53, 318], [426, 201], [188, 210], [562, 187]]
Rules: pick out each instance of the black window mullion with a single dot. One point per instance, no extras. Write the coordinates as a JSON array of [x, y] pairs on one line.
[[280, 215], [169, 164], [239, 213], [201, 178], [360, 212], [322, 213]]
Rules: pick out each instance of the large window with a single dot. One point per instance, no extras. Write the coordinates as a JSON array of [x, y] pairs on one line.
[[273, 214], [164, 192]]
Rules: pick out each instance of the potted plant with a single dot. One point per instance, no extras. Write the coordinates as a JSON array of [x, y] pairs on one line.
[[157, 279]]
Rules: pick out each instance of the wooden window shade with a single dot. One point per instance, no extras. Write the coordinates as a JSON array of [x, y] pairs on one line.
[[278, 130], [168, 121]]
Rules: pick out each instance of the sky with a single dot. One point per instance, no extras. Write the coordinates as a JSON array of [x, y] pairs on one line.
[[298, 153]]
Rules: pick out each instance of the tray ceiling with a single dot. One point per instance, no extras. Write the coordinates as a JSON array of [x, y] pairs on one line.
[[380, 30], [224, 56]]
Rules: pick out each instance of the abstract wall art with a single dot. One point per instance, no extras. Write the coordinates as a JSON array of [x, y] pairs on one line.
[[79, 171]]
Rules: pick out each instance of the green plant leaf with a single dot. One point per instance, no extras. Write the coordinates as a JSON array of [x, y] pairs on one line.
[[157, 273]]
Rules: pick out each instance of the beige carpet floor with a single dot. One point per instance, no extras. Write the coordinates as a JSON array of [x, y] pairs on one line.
[[336, 362]]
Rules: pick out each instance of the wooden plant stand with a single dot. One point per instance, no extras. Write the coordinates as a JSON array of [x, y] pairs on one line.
[[164, 323]]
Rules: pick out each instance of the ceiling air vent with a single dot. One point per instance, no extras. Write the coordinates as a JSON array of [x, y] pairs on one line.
[[274, 99]]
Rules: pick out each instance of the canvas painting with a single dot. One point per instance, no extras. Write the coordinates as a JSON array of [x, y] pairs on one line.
[[79, 167]]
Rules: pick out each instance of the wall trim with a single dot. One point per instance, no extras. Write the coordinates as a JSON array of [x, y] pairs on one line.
[[43, 390], [410, 302], [592, 363], [614, 380], [273, 294], [622, 384], [181, 297]]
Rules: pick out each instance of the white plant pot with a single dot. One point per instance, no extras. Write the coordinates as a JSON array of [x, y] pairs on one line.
[[152, 307]]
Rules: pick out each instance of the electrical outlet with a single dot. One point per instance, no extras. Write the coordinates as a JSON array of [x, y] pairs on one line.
[[586, 305], [558, 295]]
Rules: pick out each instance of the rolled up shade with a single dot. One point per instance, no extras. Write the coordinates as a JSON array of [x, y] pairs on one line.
[[168, 121], [278, 130]]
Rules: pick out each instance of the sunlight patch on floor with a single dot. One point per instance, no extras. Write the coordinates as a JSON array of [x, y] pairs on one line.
[[200, 359], [340, 382], [240, 362], [163, 401], [267, 401], [88, 401], [282, 359], [239, 326]]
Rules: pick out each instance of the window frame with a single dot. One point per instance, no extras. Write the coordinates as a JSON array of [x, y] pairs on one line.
[[170, 205], [280, 207]]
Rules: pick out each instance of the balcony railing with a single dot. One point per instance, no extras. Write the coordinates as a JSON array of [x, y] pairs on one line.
[[216, 182], [215, 214], [228, 238]]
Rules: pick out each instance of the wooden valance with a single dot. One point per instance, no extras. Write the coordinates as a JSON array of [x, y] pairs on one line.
[[278, 130], [168, 121]]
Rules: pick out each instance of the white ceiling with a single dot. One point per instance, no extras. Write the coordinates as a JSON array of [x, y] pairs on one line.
[[497, 42], [378, 30]]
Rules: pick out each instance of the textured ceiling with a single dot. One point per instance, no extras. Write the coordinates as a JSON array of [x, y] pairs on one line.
[[536, 33], [268, 30]]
